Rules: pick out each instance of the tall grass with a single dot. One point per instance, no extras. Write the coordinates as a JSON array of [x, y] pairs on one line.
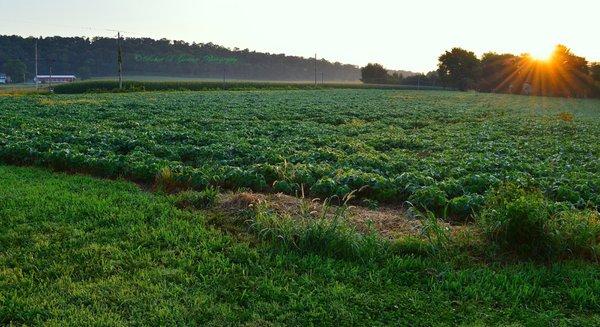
[[328, 234]]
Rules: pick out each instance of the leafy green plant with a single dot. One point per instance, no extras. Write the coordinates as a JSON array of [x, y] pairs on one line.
[[404, 143], [515, 220], [429, 198]]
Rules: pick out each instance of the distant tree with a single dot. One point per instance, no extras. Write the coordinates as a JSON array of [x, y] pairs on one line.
[[595, 71], [495, 70], [96, 57], [84, 72], [459, 68], [16, 69], [375, 74], [562, 56], [429, 79], [433, 77], [571, 71]]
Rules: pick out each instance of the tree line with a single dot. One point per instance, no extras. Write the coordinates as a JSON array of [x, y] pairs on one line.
[[563, 74], [96, 57], [374, 73]]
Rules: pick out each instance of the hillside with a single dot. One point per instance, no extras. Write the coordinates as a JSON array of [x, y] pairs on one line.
[[87, 57]]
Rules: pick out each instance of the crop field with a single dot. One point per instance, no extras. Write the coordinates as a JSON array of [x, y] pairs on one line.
[[436, 208], [442, 151]]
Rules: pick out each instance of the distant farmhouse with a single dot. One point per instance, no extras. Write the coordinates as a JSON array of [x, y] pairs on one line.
[[4, 79], [54, 79]]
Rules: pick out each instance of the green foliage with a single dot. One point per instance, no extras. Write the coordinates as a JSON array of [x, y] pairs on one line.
[[197, 200], [16, 69], [107, 86], [375, 74], [429, 198], [465, 205], [576, 234], [523, 222], [387, 145], [77, 250], [459, 68], [164, 57], [517, 221]]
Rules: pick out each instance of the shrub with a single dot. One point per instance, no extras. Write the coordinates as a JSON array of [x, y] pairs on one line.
[[516, 221]]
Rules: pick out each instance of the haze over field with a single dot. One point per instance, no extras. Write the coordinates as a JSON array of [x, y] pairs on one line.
[[400, 35]]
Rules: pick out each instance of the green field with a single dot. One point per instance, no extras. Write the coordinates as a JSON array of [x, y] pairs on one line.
[[442, 151], [80, 251], [436, 208]]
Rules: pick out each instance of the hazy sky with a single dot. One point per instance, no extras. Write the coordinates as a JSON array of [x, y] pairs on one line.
[[406, 35]]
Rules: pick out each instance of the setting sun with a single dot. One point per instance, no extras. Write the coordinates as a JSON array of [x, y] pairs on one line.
[[542, 53]]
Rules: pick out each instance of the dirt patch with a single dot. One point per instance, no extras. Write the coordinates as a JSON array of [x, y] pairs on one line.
[[388, 221], [234, 202]]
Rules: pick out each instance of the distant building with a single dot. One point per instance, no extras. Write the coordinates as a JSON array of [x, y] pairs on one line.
[[4, 79], [55, 79]]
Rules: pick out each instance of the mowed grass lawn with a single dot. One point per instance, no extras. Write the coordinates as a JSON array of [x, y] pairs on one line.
[[82, 251]]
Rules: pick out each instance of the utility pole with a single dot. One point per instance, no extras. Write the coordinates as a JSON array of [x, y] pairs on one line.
[[36, 64], [315, 69], [120, 60], [322, 78], [50, 80]]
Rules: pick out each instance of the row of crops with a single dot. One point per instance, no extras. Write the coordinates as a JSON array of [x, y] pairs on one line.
[[443, 151], [139, 86]]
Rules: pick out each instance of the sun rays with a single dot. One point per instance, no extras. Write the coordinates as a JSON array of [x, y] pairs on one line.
[[557, 73]]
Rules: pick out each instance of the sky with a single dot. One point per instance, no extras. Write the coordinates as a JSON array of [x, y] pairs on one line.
[[408, 35]]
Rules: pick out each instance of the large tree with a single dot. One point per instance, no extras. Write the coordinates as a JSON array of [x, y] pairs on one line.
[[375, 74], [595, 71], [459, 68], [16, 69], [496, 69]]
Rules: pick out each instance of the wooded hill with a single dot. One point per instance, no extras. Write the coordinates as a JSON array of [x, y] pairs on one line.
[[92, 57]]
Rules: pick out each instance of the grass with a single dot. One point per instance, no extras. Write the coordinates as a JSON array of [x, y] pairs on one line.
[[75, 250]]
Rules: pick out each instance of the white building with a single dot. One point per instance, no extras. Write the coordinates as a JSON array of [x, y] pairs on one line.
[[3, 78], [55, 79]]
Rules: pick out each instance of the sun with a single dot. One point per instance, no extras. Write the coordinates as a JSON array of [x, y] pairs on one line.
[[543, 53]]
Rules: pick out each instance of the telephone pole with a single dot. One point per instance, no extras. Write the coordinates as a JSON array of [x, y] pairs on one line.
[[50, 80], [36, 64], [120, 60], [315, 69]]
